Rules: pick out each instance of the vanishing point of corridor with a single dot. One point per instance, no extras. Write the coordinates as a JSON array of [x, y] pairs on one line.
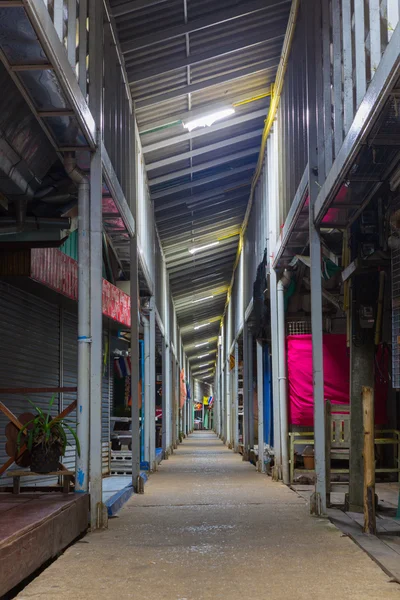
[[210, 527]]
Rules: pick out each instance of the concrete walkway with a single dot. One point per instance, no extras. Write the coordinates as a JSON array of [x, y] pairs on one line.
[[210, 528]]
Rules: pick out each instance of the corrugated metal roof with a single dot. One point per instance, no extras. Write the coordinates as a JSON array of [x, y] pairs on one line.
[[186, 58]]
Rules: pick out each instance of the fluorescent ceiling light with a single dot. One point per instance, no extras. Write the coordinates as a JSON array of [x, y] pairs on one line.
[[200, 326], [201, 248], [202, 344], [205, 364], [202, 299], [208, 120], [204, 355]]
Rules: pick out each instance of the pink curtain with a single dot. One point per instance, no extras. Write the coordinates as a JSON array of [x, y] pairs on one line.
[[336, 376]]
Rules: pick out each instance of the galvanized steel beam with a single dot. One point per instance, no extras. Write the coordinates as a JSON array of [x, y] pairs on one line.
[[209, 20], [162, 67], [199, 182], [197, 133], [204, 149]]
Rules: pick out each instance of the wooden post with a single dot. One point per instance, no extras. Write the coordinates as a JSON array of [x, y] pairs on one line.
[[328, 441], [369, 460]]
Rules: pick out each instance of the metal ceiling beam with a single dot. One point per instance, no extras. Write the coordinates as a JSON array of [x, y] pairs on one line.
[[183, 258], [233, 227], [206, 225], [204, 181], [209, 20], [134, 5], [216, 204], [193, 219], [150, 100], [197, 133], [178, 266], [204, 166], [161, 67], [180, 287], [191, 200], [255, 97], [230, 141], [182, 276]]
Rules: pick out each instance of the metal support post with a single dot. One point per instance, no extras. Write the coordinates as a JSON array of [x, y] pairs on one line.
[[146, 383], [318, 500], [152, 386], [228, 402], [260, 401], [235, 401], [250, 388], [83, 410], [98, 513], [246, 397], [275, 382], [134, 288], [165, 359], [283, 401]]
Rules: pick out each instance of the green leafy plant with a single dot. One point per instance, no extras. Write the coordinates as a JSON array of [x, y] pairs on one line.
[[45, 430]]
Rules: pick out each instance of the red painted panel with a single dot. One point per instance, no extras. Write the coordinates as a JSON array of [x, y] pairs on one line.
[[59, 272]]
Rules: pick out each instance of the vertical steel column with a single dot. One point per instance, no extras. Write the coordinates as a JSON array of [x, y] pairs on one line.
[[164, 395], [246, 398], [283, 400], [250, 388], [318, 502], [177, 403], [134, 314], [260, 401], [83, 409], [228, 402], [98, 514], [146, 383], [275, 370], [152, 386], [235, 403]]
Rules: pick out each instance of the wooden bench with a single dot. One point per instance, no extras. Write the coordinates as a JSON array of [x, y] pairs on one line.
[[337, 423], [65, 487]]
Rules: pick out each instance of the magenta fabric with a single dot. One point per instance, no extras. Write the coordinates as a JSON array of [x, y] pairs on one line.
[[336, 376]]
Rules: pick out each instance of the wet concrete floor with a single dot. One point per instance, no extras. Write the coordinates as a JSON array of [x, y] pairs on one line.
[[210, 527]]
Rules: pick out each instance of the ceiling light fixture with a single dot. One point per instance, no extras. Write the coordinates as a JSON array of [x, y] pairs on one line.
[[204, 355], [205, 364], [201, 248], [208, 120], [196, 327], [202, 344], [202, 299]]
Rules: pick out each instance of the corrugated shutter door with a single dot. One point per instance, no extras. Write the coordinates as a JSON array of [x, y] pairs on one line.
[[70, 375], [107, 392], [29, 354]]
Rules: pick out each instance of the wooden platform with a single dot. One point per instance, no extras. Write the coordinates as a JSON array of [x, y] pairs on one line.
[[35, 527]]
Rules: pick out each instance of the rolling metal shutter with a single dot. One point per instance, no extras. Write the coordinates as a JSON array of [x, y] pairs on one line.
[[29, 354], [69, 374], [38, 348]]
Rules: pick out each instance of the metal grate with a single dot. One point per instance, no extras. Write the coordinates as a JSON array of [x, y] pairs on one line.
[[396, 317], [298, 327]]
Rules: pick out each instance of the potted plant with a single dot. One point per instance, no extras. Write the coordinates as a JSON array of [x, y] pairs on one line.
[[46, 439]]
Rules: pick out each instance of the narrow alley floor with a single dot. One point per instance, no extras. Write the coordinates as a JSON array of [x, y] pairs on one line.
[[210, 527]]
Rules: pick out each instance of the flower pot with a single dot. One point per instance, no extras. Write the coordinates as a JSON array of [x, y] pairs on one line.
[[45, 459]]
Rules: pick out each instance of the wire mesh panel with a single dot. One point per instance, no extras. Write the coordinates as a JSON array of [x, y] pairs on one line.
[[298, 327]]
